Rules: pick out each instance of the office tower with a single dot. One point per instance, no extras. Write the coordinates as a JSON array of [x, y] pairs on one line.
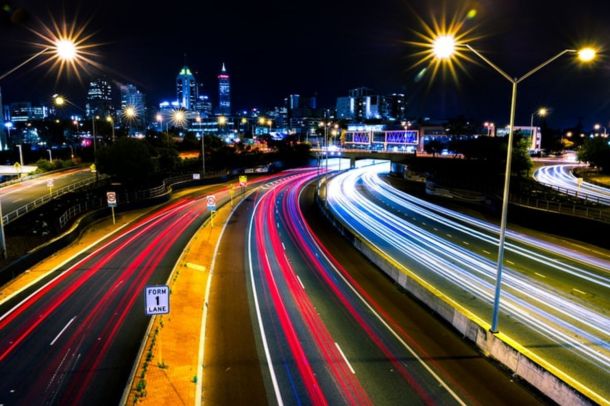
[[99, 98], [224, 92], [186, 88]]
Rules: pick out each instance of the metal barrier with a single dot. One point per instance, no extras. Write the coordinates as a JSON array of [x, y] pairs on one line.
[[23, 210], [572, 209]]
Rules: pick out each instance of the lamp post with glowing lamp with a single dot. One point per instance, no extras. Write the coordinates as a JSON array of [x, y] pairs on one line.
[[111, 121], [60, 101], [443, 48], [64, 50], [198, 120]]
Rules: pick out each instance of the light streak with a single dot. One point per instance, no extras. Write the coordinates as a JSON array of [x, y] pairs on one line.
[[555, 316]]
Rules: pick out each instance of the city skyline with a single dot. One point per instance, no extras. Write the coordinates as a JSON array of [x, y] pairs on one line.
[[319, 55]]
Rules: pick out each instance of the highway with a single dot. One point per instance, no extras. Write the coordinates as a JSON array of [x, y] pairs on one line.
[[561, 177], [554, 299], [74, 339], [336, 331], [23, 193]]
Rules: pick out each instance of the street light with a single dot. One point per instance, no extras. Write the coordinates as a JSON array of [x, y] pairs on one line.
[[198, 120], [64, 50], [490, 128], [443, 48], [60, 101], [222, 121], [111, 121], [598, 126], [541, 112]]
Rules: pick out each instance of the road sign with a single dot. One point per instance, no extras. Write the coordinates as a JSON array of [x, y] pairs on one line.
[[93, 168], [196, 176], [111, 198], [211, 199], [243, 180], [157, 300]]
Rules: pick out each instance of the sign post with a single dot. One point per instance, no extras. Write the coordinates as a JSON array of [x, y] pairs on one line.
[[50, 186], [243, 182], [111, 198], [211, 201], [157, 302]]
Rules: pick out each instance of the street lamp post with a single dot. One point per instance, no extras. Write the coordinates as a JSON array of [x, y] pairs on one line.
[[59, 101], [198, 120], [4, 253], [444, 48], [541, 112], [111, 121], [50, 155]]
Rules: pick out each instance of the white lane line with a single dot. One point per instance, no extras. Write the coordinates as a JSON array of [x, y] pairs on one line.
[[579, 291], [345, 359], [62, 330], [487, 252], [539, 274], [259, 317], [283, 246], [449, 235], [303, 286], [435, 229], [465, 242], [510, 262]]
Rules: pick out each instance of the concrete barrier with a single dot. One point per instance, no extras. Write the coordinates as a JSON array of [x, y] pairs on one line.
[[555, 384]]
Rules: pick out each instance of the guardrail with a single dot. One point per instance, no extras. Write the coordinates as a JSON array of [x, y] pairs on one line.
[[572, 209], [23, 210], [578, 194]]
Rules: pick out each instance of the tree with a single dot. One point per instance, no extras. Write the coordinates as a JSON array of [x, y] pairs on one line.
[[433, 147], [596, 152], [128, 160]]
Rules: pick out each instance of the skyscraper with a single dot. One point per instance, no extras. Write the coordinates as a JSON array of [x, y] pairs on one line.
[[99, 98], [224, 92], [186, 88]]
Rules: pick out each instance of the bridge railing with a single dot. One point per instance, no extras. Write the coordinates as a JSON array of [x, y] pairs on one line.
[[23, 210], [583, 195], [563, 207]]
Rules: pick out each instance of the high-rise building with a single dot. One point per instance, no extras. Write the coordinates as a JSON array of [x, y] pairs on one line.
[[203, 106], [132, 97], [187, 91], [224, 92], [99, 98], [397, 106]]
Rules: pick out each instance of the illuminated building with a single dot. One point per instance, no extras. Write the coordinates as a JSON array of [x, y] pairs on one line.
[[224, 92], [187, 91], [132, 97], [99, 98]]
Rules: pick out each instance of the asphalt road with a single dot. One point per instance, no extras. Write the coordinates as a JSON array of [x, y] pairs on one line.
[[554, 298], [20, 194], [475, 377], [334, 330], [76, 339]]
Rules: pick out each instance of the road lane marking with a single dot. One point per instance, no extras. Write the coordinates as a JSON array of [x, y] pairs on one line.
[[466, 242], [345, 359], [539, 274], [196, 267], [303, 286], [510, 262], [449, 235], [283, 246], [487, 252], [579, 291], [62, 330]]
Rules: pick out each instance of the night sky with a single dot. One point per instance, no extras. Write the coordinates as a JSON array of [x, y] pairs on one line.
[[274, 48]]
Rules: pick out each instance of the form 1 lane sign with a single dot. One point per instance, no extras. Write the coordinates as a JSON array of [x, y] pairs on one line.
[[157, 300]]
